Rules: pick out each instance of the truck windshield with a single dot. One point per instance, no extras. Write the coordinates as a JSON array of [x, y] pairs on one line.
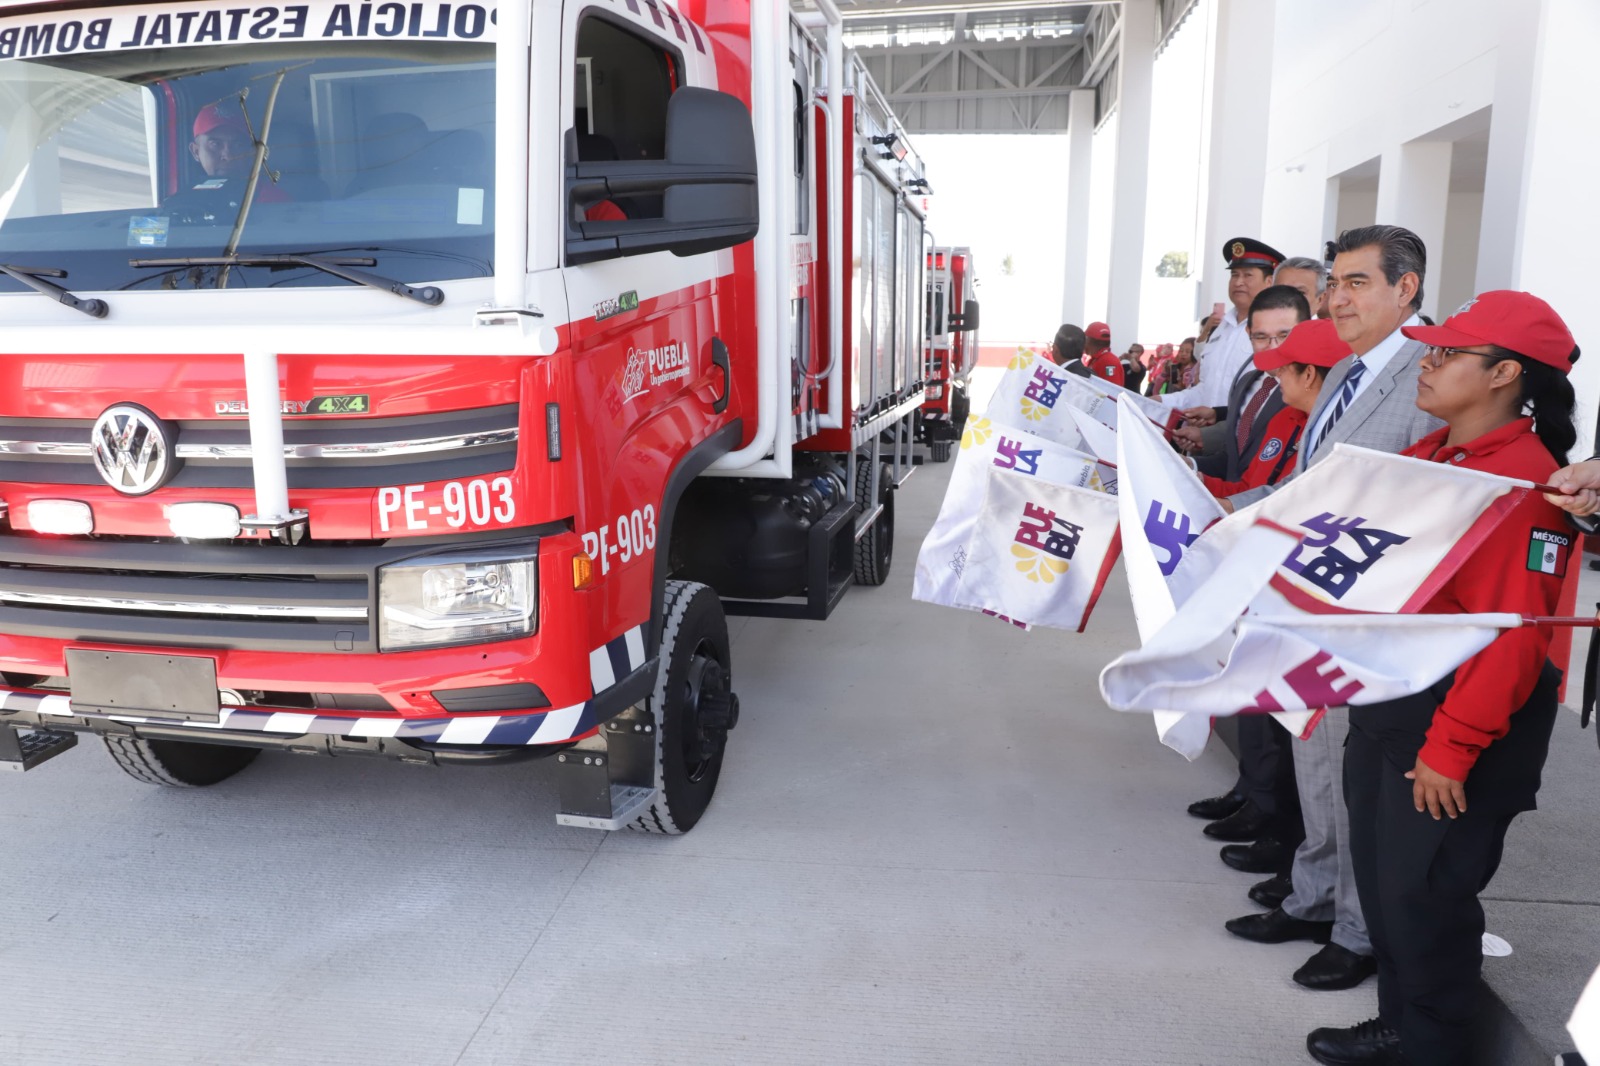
[[379, 147]]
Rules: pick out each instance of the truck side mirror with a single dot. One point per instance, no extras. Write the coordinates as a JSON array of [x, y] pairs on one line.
[[706, 185], [967, 320]]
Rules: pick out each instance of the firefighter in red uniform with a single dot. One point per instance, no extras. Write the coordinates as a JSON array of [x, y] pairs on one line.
[[1434, 780], [1097, 353], [1299, 366]]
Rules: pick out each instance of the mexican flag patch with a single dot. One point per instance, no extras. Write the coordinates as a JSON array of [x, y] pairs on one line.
[[1547, 551]]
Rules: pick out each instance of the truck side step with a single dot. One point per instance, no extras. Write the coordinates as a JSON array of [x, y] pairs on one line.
[[627, 803], [24, 751]]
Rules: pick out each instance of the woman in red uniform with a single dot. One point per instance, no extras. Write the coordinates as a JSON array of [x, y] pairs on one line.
[[1299, 366], [1434, 780]]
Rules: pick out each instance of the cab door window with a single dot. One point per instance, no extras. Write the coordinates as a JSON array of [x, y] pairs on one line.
[[621, 86]]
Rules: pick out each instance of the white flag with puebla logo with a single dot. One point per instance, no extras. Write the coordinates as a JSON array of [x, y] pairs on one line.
[[1034, 394], [1237, 647], [987, 447], [1039, 552], [1382, 532]]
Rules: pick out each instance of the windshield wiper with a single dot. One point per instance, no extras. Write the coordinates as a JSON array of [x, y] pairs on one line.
[[338, 265], [33, 278]]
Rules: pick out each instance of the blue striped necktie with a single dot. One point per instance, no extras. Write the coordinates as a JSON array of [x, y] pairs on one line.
[[1347, 393]]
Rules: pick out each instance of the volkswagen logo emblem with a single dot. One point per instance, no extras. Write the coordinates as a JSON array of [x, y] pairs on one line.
[[132, 449]]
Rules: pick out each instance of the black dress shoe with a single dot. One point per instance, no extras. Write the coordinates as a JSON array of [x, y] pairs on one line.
[[1272, 892], [1334, 969], [1246, 823], [1265, 856], [1371, 1042], [1217, 806], [1278, 927]]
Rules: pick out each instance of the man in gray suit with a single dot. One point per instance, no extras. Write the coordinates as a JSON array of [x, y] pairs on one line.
[[1369, 399]]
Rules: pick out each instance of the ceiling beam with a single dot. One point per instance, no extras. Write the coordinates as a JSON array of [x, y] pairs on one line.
[[1063, 60], [982, 94], [923, 71]]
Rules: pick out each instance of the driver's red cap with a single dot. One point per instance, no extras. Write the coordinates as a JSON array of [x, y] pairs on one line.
[[1314, 342], [1517, 321], [1098, 331], [214, 115]]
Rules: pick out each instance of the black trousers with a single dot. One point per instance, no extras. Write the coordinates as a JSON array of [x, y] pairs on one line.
[[1266, 774], [1419, 879]]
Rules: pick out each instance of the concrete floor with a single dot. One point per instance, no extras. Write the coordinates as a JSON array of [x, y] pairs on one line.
[[932, 844]]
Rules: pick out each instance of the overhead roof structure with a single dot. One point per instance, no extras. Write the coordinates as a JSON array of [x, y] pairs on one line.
[[992, 66]]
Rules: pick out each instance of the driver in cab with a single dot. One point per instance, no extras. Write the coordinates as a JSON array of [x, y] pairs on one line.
[[223, 147]]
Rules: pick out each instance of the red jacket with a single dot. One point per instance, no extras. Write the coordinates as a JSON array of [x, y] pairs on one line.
[[1274, 456], [1105, 365], [1519, 568]]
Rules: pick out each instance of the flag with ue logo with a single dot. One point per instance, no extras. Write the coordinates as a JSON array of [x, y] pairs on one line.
[[1235, 647], [1322, 612]]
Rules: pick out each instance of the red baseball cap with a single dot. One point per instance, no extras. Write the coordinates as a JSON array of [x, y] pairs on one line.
[[1098, 331], [1315, 342], [213, 115], [1518, 321]]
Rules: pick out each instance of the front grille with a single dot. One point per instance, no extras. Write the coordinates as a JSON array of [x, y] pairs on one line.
[[332, 453], [265, 597]]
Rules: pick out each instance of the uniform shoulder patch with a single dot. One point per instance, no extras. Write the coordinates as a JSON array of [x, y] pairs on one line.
[[1548, 550], [1271, 449]]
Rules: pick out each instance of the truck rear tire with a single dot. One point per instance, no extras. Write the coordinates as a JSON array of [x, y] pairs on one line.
[[939, 450], [875, 550], [960, 408], [694, 707], [177, 763]]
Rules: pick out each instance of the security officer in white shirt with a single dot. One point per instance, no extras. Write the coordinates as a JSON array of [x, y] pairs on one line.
[[1226, 349]]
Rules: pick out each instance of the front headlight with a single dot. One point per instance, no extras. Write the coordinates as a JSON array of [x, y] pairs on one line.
[[459, 598]]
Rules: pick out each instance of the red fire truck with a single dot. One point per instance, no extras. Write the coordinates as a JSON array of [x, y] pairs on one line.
[[419, 380], [952, 307]]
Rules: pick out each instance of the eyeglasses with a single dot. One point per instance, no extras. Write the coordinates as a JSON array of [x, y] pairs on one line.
[[1438, 355], [1273, 339]]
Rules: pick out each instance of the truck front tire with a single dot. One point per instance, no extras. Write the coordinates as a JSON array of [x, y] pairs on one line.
[[177, 763], [694, 707]]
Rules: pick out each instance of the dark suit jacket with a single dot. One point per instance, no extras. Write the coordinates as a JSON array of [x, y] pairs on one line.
[[1229, 464]]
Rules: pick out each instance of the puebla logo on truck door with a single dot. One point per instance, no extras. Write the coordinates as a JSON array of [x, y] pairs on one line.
[[132, 449]]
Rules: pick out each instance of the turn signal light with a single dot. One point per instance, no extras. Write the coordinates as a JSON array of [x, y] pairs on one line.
[[582, 570]]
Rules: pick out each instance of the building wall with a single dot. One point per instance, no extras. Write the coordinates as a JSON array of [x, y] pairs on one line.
[[1393, 95], [1102, 183]]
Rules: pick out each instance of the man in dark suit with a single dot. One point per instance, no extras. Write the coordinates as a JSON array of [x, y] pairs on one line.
[[1263, 807], [1253, 398]]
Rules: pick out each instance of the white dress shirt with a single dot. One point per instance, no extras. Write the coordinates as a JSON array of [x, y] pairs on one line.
[[1222, 356], [1374, 361]]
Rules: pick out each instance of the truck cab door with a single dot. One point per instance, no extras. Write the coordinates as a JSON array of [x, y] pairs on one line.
[[649, 376]]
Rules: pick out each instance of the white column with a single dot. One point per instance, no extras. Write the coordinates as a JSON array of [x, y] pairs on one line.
[[1136, 68], [1514, 78], [1414, 192], [1236, 157], [1559, 222], [1080, 156]]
